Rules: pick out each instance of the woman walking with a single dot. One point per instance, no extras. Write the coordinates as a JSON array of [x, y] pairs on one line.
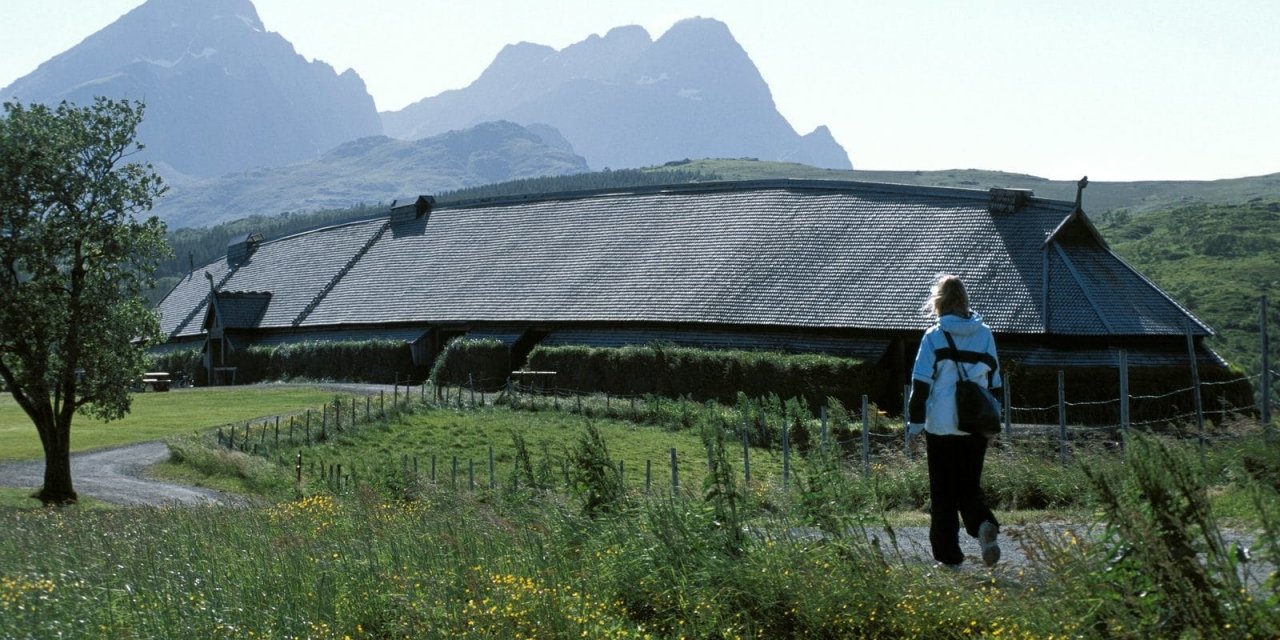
[[958, 339]]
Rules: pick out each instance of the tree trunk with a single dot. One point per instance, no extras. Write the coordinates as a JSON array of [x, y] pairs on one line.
[[57, 487]]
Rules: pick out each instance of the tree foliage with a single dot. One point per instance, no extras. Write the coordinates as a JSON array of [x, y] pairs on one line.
[[74, 261]]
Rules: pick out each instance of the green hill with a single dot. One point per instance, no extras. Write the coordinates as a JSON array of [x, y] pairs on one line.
[[1215, 259], [1099, 197]]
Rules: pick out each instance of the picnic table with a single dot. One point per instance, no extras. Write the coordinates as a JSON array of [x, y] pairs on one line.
[[156, 380]]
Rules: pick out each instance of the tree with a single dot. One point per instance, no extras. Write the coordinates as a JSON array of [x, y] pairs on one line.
[[74, 261]]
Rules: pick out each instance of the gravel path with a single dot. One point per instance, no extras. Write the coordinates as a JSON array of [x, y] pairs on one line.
[[115, 475]]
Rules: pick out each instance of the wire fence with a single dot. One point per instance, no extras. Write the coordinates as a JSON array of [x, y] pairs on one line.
[[857, 435]]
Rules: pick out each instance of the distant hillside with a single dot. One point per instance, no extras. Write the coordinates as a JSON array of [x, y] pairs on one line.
[[1099, 197], [222, 93], [623, 100], [371, 170], [1218, 260]]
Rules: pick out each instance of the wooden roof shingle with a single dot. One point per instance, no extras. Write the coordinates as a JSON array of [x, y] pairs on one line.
[[808, 254]]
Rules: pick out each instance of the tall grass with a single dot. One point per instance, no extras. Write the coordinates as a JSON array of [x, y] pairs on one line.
[[400, 556]]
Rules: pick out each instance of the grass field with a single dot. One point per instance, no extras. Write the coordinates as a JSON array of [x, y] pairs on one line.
[[158, 415], [397, 556]]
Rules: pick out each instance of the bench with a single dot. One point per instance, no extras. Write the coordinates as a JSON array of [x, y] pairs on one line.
[[156, 380]]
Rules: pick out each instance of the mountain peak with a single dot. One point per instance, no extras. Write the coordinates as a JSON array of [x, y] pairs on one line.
[[223, 93], [624, 100]]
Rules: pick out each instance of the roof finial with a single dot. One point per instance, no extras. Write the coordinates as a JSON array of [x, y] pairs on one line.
[[1083, 182]]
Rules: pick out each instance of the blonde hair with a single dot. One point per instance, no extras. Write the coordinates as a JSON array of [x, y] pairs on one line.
[[947, 296]]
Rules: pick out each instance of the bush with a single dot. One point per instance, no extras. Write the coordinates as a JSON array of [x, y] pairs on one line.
[[182, 364], [378, 361], [356, 361], [709, 374], [480, 364]]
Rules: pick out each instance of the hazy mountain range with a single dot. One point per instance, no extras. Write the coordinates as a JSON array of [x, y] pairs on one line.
[[240, 124], [233, 111], [624, 100], [222, 93]]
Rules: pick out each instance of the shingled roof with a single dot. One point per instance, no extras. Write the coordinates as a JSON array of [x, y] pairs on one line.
[[781, 253]]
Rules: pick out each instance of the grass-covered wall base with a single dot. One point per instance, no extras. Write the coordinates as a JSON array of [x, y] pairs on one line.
[[479, 364], [707, 374], [378, 361]]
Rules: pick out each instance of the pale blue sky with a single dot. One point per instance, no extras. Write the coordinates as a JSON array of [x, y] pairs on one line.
[[1117, 90]]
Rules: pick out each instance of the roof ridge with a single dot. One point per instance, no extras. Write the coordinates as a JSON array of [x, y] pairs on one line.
[[1084, 286], [797, 184], [337, 277], [204, 301]]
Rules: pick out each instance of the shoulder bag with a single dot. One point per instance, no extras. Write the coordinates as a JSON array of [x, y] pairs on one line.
[[976, 408]]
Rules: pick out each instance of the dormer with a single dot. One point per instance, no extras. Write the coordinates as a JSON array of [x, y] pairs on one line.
[[240, 248], [411, 210]]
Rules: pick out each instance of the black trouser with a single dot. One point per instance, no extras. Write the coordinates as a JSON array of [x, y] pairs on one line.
[[955, 469]]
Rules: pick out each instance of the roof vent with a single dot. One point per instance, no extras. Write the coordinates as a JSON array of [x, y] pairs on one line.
[[1008, 200], [240, 248], [411, 210]]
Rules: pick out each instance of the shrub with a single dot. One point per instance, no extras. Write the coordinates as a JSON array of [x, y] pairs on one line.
[[182, 364], [479, 364], [379, 361], [709, 374]]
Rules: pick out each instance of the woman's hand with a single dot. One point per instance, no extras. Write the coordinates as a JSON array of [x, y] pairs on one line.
[[913, 440]]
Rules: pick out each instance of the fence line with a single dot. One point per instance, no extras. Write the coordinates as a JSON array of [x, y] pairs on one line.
[[253, 436]]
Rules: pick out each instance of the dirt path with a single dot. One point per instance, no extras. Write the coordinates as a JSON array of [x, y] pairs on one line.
[[115, 475]]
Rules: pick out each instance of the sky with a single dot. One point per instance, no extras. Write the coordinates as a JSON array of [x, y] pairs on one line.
[[1118, 90]]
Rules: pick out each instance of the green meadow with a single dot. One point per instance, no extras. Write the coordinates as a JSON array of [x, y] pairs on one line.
[[580, 531], [155, 416]]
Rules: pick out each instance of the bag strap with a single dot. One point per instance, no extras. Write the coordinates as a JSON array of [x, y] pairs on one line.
[[955, 355]]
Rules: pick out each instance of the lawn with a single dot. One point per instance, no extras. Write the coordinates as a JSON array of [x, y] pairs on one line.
[[158, 415]]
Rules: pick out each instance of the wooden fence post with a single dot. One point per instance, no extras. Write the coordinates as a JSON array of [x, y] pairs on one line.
[[1265, 413], [866, 439], [1008, 406], [823, 413], [786, 453], [297, 469], [675, 474], [648, 475], [308, 434], [1124, 399], [1062, 418], [906, 419], [1195, 386], [746, 454]]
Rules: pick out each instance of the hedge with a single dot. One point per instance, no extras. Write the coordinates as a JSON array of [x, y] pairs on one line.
[[379, 361], [481, 364], [706, 374]]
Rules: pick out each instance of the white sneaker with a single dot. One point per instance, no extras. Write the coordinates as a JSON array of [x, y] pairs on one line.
[[987, 533]]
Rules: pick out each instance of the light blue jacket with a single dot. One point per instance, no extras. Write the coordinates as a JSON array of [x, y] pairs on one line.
[[934, 366]]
